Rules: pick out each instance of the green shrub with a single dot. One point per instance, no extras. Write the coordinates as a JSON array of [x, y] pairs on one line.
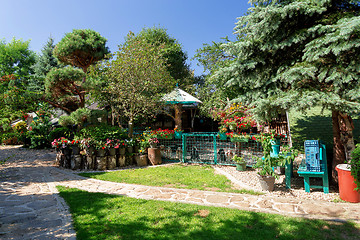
[[39, 133], [66, 121], [60, 132], [95, 115], [11, 138], [103, 132], [80, 116], [355, 165], [20, 127]]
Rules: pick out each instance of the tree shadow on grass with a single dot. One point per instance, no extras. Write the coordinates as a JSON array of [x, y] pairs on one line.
[[103, 216]]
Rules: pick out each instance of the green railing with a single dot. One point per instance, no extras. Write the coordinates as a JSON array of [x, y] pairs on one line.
[[207, 148]]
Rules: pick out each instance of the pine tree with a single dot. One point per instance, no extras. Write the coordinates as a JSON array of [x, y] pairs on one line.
[[44, 63], [296, 55]]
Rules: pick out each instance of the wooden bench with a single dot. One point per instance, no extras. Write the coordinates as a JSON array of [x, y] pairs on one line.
[[309, 171]]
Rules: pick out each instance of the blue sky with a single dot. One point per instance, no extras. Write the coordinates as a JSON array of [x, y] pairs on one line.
[[191, 22]]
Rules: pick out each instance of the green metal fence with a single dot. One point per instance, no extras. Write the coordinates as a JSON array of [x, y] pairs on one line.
[[209, 149]]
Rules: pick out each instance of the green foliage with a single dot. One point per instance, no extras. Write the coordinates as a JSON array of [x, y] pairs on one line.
[[10, 138], [102, 132], [80, 116], [238, 159], [138, 78], [39, 133], [214, 92], [44, 63], [20, 127], [81, 48], [65, 121], [171, 51], [63, 86], [355, 165], [60, 132], [296, 54], [16, 58]]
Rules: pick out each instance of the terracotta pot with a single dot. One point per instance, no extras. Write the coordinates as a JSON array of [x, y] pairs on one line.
[[154, 156]]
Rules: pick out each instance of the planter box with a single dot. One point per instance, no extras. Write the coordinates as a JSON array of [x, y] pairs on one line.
[[234, 139], [165, 137]]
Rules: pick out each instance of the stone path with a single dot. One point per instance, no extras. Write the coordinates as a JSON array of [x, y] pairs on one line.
[[30, 207]]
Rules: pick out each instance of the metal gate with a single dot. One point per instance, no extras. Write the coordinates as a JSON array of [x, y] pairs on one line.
[[207, 148]]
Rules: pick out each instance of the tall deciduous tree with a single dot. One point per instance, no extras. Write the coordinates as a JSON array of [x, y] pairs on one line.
[[16, 60], [138, 78], [299, 54], [171, 51], [213, 91], [175, 61]]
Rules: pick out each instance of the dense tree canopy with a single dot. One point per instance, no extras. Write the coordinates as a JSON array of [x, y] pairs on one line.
[[138, 78], [81, 48], [44, 63], [63, 88], [16, 60], [171, 51], [298, 54]]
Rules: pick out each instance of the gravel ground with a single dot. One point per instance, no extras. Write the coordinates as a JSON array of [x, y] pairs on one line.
[[250, 179]]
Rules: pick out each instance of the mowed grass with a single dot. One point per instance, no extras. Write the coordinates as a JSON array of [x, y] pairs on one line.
[[102, 216], [176, 176]]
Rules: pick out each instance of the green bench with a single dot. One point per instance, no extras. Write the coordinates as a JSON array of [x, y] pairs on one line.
[[315, 165]]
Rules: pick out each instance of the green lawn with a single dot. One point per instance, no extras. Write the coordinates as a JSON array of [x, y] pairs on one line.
[[102, 216], [177, 176]]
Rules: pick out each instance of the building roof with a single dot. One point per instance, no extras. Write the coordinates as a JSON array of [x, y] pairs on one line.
[[180, 96]]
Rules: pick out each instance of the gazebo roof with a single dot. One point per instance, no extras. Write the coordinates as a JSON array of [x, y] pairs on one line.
[[179, 96]]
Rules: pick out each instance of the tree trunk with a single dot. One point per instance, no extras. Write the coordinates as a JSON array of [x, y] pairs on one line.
[[343, 140], [178, 115], [346, 133], [131, 128]]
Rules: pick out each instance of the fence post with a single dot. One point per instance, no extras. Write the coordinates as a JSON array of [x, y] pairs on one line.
[[215, 148], [184, 147]]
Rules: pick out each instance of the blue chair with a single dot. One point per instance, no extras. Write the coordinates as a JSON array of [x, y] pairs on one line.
[[315, 165]]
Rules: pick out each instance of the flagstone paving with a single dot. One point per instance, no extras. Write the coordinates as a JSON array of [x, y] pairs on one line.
[[30, 207]]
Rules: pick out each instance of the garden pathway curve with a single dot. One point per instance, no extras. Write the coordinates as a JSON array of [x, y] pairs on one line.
[[30, 207]]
